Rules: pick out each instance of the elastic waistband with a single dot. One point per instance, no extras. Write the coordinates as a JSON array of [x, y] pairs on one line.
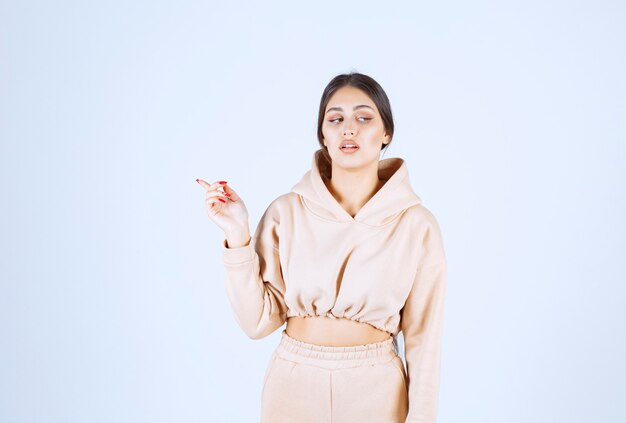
[[376, 350]]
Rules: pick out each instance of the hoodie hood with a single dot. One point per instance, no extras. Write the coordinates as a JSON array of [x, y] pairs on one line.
[[395, 196]]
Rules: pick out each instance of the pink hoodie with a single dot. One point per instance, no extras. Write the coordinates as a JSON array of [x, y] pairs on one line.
[[386, 267]]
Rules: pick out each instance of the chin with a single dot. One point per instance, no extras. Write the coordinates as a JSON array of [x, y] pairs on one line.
[[357, 158]]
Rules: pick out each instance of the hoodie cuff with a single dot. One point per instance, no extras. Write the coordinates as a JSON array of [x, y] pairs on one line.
[[237, 255]]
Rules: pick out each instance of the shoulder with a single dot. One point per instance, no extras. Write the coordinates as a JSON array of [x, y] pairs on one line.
[[281, 205], [422, 217], [284, 200], [428, 234]]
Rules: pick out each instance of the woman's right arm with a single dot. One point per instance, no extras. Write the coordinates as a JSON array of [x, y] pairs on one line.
[[253, 279], [253, 275]]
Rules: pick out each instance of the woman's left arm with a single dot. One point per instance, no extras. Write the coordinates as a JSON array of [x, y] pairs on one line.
[[422, 327]]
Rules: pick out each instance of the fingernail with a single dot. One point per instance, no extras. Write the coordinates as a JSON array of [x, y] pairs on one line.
[[227, 194], [223, 182], [197, 180], [222, 200]]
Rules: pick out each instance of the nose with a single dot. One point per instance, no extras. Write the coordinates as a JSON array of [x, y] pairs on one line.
[[349, 132]]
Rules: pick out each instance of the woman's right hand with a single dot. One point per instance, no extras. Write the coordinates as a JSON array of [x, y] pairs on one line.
[[225, 208]]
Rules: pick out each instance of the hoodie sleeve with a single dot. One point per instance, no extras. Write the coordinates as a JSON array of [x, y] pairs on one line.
[[254, 281], [421, 325]]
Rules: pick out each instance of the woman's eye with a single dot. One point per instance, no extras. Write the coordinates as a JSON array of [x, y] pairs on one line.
[[364, 119]]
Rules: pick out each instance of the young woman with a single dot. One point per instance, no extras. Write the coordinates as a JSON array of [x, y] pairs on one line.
[[348, 258]]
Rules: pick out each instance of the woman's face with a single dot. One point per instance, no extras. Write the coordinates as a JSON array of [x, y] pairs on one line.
[[352, 115]]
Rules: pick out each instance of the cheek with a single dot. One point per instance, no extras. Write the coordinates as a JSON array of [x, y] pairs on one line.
[[329, 131], [373, 132]]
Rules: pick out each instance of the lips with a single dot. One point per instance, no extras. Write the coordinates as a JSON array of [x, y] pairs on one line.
[[346, 143]]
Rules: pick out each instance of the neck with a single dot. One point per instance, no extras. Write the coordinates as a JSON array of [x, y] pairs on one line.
[[353, 188]]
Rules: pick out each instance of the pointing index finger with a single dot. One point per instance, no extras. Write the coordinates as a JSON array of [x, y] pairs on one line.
[[208, 186]]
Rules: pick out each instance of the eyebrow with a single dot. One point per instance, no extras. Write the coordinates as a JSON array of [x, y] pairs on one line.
[[355, 107]]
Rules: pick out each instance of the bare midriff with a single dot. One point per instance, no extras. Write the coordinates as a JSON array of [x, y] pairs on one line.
[[326, 331]]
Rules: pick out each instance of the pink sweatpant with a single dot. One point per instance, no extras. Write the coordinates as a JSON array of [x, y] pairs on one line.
[[314, 383]]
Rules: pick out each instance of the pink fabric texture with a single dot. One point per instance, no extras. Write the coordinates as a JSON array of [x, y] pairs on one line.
[[322, 384]]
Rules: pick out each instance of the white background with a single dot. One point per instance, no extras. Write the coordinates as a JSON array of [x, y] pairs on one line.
[[511, 116]]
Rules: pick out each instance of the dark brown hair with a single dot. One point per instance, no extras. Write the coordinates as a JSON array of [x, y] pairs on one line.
[[368, 85]]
